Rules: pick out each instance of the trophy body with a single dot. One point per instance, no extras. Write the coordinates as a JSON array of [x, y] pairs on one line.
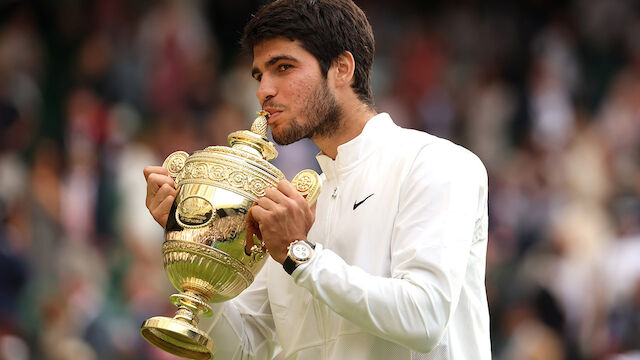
[[205, 251]]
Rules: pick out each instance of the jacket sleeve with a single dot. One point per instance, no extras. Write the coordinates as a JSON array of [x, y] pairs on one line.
[[441, 203], [243, 327]]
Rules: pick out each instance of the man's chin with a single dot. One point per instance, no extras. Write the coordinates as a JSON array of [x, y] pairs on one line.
[[287, 137], [284, 141]]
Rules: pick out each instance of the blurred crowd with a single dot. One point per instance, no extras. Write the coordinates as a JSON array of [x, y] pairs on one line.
[[546, 93]]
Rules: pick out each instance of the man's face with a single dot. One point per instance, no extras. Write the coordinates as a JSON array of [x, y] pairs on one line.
[[293, 90]]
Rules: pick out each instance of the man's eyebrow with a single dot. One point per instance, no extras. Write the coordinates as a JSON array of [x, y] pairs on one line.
[[275, 59], [272, 61]]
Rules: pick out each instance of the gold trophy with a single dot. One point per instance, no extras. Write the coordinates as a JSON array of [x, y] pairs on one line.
[[205, 248]]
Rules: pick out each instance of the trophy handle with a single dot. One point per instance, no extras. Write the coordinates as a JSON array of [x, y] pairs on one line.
[[308, 183], [174, 163]]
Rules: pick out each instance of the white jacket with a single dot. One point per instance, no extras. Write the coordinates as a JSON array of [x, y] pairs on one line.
[[399, 267]]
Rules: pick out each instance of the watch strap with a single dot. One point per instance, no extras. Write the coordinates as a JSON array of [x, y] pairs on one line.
[[289, 265]]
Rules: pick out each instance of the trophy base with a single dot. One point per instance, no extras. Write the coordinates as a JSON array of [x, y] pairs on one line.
[[178, 338]]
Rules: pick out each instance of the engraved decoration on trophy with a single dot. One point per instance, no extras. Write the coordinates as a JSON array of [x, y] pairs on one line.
[[205, 251]]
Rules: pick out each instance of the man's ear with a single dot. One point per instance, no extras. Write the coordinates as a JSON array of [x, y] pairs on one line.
[[344, 66]]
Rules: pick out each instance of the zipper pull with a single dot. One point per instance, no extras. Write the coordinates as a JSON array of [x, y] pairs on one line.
[[335, 192]]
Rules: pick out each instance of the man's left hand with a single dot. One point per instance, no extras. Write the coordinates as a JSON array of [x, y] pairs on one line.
[[283, 216]]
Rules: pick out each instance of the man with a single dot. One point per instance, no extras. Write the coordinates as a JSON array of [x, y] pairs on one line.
[[398, 240]]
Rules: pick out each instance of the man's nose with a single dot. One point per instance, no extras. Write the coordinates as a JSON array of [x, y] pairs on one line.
[[266, 90]]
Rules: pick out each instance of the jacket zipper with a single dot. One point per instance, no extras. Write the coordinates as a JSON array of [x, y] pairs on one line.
[[331, 215]]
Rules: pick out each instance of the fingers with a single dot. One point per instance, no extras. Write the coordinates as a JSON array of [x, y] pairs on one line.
[[285, 199], [269, 203], [313, 209], [284, 195], [274, 203], [161, 212], [275, 195], [252, 229], [155, 181], [148, 170], [259, 214], [161, 195], [289, 190], [161, 192], [250, 232], [282, 216], [160, 204]]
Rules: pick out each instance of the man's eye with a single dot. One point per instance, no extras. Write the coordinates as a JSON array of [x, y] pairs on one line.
[[258, 77], [283, 67]]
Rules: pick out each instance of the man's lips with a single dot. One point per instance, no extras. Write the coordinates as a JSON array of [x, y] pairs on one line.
[[273, 113]]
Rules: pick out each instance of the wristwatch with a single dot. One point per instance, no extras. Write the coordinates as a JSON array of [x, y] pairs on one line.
[[299, 252]]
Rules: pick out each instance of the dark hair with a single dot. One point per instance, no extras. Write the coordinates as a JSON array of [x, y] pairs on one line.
[[325, 28]]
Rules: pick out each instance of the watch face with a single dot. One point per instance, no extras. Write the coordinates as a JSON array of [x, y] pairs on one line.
[[301, 251]]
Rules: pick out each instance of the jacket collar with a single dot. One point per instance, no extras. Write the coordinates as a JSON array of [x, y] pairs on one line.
[[358, 148]]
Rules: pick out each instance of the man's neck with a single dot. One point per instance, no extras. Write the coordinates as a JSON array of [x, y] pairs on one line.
[[354, 118]]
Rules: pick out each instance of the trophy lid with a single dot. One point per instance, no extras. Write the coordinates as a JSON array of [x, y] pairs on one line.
[[255, 140]]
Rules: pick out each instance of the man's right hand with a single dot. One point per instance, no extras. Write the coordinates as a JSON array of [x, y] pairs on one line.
[[161, 191]]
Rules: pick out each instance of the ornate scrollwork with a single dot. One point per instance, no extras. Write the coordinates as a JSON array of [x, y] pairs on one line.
[[216, 172], [214, 152], [200, 171], [237, 178], [174, 163], [227, 174], [308, 183], [258, 186], [304, 183]]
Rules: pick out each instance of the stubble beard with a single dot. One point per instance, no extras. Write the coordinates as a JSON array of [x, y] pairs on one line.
[[323, 114]]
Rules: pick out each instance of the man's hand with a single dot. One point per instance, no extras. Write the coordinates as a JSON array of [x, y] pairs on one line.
[[283, 216], [161, 191]]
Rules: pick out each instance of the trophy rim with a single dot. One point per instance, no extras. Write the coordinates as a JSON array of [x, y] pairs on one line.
[[238, 155], [178, 338], [226, 168]]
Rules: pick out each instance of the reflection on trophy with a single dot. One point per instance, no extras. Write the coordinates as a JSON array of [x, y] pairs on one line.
[[205, 249]]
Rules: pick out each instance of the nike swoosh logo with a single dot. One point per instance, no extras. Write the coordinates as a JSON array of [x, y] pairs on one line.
[[358, 203]]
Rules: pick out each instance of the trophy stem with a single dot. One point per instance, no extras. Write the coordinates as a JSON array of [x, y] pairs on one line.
[[190, 304], [187, 315]]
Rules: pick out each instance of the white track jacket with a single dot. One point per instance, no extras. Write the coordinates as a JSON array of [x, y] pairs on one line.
[[399, 268]]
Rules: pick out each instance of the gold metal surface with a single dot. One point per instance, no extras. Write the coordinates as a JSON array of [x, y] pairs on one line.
[[255, 141], [308, 184], [260, 125], [175, 162], [204, 251], [178, 338], [223, 170]]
